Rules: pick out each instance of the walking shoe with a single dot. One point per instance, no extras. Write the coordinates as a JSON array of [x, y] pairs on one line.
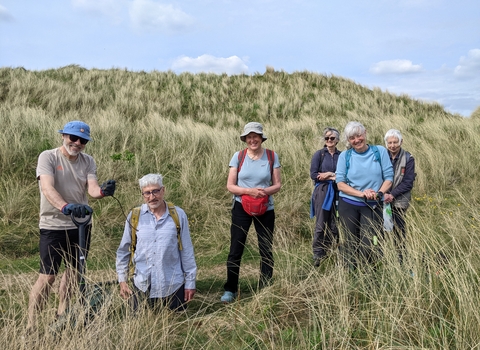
[[228, 297]]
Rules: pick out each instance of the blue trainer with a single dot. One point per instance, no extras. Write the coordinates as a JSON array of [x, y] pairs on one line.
[[228, 297]]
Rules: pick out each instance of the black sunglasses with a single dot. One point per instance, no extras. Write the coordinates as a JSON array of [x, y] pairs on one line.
[[74, 138], [331, 138]]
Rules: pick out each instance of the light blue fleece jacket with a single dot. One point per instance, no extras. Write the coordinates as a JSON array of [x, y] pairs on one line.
[[364, 171]]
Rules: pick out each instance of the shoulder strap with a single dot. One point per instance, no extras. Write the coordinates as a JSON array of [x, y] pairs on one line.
[[134, 223], [322, 155], [270, 155], [271, 160], [241, 158], [174, 214], [348, 155], [377, 154], [133, 232]]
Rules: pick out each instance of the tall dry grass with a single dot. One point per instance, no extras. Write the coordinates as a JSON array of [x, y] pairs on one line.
[[187, 127]]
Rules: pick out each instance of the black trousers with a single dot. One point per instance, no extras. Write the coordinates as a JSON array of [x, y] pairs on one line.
[[175, 301], [241, 222], [326, 231], [362, 226]]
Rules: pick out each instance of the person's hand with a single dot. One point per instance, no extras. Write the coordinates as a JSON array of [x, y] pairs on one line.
[[125, 291], [370, 194], [257, 192], [78, 210], [189, 293], [325, 176], [108, 188], [388, 198]]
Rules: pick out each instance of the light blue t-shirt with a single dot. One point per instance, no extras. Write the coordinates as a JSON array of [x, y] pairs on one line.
[[255, 173], [364, 171]]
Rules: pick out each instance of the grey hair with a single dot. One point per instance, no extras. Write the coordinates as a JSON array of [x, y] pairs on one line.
[[332, 130], [352, 129], [393, 133], [151, 179]]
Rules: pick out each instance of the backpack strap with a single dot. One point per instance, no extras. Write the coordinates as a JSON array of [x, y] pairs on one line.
[[322, 155], [243, 153], [348, 155], [133, 233], [134, 219], [377, 154], [174, 214], [271, 160], [241, 158]]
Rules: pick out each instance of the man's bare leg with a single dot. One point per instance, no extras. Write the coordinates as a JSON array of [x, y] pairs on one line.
[[68, 284], [38, 297]]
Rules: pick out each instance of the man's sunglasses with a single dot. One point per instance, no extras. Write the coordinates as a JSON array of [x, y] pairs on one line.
[[74, 138], [331, 138]]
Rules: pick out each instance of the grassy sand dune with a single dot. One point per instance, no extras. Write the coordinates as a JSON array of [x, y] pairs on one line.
[[187, 127]]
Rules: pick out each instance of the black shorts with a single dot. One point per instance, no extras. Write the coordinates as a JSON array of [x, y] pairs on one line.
[[57, 245]]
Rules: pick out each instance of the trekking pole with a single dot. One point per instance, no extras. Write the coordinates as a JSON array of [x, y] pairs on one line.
[[82, 247]]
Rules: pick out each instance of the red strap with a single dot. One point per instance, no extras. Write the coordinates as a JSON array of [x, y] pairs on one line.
[[241, 158], [270, 155]]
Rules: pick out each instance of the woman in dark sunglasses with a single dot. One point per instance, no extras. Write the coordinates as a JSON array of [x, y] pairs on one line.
[[323, 204]]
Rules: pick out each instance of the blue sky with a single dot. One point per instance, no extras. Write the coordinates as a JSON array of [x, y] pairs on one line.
[[427, 49]]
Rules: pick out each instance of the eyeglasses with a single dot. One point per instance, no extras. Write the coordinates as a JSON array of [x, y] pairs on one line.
[[331, 138], [147, 194], [74, 138]]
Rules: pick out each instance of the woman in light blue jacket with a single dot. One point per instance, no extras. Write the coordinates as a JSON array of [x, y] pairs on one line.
[[364, 173]]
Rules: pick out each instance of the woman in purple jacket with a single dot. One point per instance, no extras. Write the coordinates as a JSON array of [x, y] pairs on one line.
[[323, 204]]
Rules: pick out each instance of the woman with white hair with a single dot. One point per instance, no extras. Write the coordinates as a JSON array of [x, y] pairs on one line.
[[400, 194], [364, 173], [323, 206]]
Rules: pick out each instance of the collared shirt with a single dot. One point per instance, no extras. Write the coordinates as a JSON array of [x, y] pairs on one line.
[[159, 264]]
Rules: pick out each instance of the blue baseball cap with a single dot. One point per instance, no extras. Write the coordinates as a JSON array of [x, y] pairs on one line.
[[76, 128]]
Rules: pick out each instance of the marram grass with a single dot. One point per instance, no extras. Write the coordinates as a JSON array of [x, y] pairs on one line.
[[187, 128]]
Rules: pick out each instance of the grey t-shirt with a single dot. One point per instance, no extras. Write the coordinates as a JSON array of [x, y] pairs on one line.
[[70, 181], [254, 173]]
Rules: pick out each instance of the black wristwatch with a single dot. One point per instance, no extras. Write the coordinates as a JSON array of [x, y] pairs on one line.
[[379, 194]]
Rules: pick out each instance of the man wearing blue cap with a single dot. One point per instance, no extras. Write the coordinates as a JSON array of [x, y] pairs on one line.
[[65, 175]]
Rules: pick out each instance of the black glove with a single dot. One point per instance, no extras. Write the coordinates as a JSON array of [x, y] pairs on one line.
[[108, 188], [78, 210]]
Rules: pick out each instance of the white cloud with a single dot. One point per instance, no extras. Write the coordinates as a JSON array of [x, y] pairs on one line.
[[395, 67], [147, 15], [469, 67], [210, 64], [5, 16]]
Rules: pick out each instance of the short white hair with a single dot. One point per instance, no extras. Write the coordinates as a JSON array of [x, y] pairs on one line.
[[151, 179], [352, 129], [393, 133]]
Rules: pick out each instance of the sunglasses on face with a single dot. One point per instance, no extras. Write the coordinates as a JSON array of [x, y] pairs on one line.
[[74, 138], [331, 138], [147, 194]]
